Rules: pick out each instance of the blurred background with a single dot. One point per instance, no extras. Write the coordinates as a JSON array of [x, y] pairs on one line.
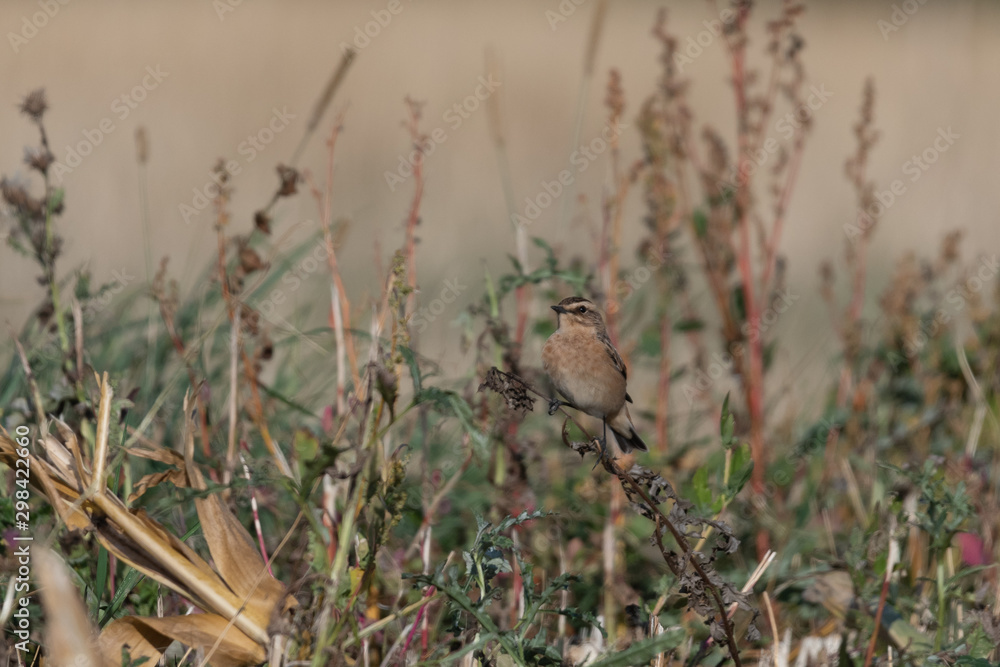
[[204, 77]]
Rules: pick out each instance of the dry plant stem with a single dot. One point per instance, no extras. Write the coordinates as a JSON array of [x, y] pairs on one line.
[[318, 110], [256, 408], [723, 615], [773, 240], [353, 509], [413, 217], [142, 157], [378, 625], [256, 514], [36, 395], [972, 442], [780, 209], [881, 608], [747, 587], [97, 484], [257, 416], [51, 275], [234, 396], [857, 171], [754, 388], [663, 383], [431, 509], [321, 104], [78, 343], [661, 520], [341, 304], [222, 218], [774, 627]]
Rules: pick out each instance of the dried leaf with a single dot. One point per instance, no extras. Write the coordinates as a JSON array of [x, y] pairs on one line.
[[69, 637], [238, 561], [150, 637], [177, 477], [510, 387], [241, 590]]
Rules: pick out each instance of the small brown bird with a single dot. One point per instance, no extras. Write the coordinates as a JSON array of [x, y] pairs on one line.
[[587, 370]]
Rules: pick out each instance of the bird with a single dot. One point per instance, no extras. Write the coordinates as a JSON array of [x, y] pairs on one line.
[[587, 370]]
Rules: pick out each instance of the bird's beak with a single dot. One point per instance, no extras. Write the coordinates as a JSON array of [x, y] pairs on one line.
[[559, 309]]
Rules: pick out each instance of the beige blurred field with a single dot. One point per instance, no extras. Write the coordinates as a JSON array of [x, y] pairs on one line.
[[224, 76]]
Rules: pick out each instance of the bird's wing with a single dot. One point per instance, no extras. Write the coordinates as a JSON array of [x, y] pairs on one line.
[[616, 358]]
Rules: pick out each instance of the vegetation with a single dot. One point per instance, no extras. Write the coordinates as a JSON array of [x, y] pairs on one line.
[[211, 484]]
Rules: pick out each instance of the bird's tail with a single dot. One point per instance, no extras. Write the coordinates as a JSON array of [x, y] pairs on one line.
[[625, 433]]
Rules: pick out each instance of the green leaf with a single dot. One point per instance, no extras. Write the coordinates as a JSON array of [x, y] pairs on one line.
[[649, 342], [544, 328], [700, 221], [298, 407], [739, 479], [699, 482], [410, 357], [689, 324], [102, 579], [727, 424], [737, 300], [961, 574], [450, 402], [542, 243], [56, 199]]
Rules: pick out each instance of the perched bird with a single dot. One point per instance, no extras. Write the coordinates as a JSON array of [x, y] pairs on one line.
[[588, 371]]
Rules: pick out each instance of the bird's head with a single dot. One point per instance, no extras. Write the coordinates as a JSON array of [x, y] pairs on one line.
[[576, 311]]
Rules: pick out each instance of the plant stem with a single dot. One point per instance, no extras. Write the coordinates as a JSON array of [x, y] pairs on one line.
[[53, 285], [942, 604]]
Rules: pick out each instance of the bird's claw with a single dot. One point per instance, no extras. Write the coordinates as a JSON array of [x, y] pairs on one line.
[[554, 406], [602, 453]]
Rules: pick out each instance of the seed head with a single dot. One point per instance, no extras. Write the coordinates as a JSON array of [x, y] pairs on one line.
[[34, 105]]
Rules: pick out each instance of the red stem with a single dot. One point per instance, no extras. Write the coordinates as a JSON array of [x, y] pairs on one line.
[[413, 628]]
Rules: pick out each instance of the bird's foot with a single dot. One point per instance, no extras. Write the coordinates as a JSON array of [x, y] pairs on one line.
[[603, 454], [554, 406]]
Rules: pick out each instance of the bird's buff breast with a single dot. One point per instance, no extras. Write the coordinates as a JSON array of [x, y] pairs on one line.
[[583, 372]]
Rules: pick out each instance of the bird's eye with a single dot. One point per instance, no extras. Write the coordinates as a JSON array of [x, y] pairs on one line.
[[582, 309]]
